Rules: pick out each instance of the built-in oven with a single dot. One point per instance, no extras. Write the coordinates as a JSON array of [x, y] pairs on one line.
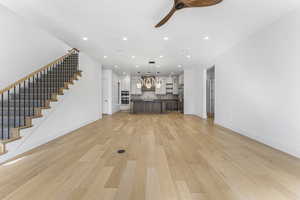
[[125, 97]]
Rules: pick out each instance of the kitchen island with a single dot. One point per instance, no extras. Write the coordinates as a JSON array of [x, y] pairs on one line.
[[154, 106]]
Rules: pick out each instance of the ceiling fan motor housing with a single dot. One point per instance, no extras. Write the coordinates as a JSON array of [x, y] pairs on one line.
[[179, 6]]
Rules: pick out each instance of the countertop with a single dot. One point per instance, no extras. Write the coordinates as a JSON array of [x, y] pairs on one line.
[[153, 100]]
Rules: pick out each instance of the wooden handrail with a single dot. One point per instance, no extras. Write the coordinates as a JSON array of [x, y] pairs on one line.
[[38, 71]]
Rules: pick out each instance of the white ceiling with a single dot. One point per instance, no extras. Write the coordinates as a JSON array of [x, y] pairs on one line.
[[106, 22]]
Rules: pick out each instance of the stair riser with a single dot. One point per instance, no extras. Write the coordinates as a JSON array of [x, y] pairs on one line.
[[4, 134], [12, 132]]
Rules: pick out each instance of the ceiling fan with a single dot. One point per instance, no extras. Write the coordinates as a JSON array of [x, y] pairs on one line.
[[180, 4]]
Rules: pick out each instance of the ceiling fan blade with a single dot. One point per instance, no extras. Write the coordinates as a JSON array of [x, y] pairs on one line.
[[166, 18]]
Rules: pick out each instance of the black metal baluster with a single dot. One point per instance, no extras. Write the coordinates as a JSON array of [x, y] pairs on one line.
[[19, 104], [75, 57], [58, 65], [63, 72], [60, 68], [67, 66], [68, 69], [14, 106], [40, 90], [52, 81], [24, 99], [2, 121], [29, 96], [44, 89], [49, 86], [33, 99], [8, 116], [56, 79], [68, 72], [77, 65]]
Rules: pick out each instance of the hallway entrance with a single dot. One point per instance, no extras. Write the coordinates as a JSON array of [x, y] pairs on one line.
[[210, 92]]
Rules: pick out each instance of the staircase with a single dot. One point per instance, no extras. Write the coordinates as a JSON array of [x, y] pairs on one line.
[[24, 100]]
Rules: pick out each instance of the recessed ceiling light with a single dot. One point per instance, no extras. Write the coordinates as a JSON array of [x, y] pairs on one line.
[[104, 57], [116, 66], [206, 38], [179, 66], [125, 38], [85, 38], [132, 57], [161, 56], [188, 56], [166, 38]]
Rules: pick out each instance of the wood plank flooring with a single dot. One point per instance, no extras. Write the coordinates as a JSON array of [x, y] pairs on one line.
[[168, 157]]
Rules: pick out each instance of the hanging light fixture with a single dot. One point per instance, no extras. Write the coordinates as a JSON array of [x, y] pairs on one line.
[[149, 82], [139, 84]]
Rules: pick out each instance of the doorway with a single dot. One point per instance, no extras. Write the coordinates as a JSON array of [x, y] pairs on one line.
[[105, 95], [210, 92]]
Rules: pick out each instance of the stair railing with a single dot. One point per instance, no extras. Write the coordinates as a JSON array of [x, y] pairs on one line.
[[20, 100]]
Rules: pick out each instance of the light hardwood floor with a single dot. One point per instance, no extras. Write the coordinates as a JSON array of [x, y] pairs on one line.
[[168, 157]]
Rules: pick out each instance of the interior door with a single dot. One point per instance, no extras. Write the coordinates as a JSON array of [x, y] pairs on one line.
[[210, 92], [105, 96]]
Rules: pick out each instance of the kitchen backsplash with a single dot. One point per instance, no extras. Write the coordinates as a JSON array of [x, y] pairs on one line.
[[152, 95]]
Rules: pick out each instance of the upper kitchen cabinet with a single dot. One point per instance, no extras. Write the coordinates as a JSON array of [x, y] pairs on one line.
[[134, 89], [181, 79], [162, 89], [125, 83], [175, 85], [169, 80]]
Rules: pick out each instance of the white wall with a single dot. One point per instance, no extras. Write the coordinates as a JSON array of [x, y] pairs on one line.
[[107, 91], [257, 86], [110, 92], [193, 91], [80, 105], [115, 92], [24, 48]]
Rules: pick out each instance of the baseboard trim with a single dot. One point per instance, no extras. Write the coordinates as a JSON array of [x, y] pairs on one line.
[[257, 140], [10, 156]]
